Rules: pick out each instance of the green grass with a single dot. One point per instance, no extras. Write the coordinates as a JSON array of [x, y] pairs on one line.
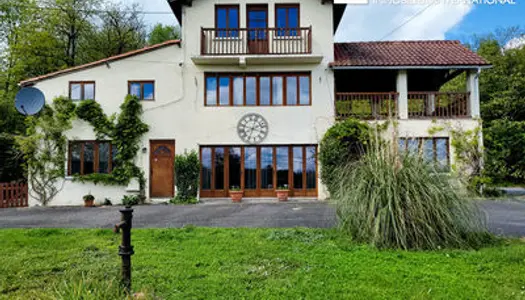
[[207, 263]]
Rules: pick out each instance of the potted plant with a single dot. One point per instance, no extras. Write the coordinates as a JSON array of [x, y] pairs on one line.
[[89, 200], [282, 192], [236, 194]]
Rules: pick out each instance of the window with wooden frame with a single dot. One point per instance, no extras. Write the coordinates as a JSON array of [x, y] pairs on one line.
[[227, 18], [88, 157], [257, 89], [433, 149], [258, 170], [287, 17], [81, 90], [144, 90]]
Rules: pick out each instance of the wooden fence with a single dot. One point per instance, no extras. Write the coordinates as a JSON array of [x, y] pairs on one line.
[[13, 195]]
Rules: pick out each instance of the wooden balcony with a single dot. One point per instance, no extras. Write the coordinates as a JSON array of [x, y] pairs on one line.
[[368, 106], [256, 41], [444, 105]]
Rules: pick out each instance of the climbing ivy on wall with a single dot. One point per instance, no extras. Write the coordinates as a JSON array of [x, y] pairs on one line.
[[125, 132]]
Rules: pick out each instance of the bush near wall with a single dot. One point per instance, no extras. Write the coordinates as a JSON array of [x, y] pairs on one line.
[[187, 171], [344, 142]]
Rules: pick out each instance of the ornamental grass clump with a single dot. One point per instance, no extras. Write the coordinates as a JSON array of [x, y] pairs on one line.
[[393, 200]]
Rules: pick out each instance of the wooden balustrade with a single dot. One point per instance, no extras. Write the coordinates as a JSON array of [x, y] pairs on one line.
[[438, 105], [242, 41], [366, 105], [13, 195]]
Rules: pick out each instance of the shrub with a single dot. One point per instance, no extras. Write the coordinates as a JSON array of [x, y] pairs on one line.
[[343, 142], [187, 170], [393, 201], [177, 201], [130, 200]]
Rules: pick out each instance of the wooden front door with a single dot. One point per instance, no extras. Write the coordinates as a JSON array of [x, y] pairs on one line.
[[257, 16], [162, 175]]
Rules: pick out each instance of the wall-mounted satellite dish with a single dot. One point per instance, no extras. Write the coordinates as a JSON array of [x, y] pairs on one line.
[[29, 101]]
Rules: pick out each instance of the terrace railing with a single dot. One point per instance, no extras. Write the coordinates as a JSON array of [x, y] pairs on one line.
[[438, 105], [260, 41], [368, 106]]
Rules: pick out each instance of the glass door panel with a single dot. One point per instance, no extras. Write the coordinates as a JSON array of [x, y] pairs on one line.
[[282, 163], [219, 168], [298, 168], [250, 168], [234, 167], [266, 168]]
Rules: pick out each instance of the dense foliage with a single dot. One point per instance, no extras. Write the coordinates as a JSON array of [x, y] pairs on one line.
[[399, 201], [125, 132], [162, 33], [343, 142], [44, 148], [503, 110], [187, 172]]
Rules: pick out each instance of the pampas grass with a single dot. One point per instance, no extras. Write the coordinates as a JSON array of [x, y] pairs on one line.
[[393, 200]]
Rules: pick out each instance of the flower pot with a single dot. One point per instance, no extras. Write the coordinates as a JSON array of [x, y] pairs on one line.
[[236, 196], [89, 202], [282, 195]]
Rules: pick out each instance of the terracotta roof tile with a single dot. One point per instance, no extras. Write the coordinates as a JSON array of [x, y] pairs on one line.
[[405, 53], [98, 62]]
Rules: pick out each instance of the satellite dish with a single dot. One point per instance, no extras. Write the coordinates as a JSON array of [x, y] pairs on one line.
[[29, 101]]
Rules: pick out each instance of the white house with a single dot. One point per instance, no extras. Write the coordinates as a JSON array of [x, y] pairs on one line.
[[253, 86]]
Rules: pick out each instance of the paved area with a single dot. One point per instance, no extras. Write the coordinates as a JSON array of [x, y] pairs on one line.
[[504, 216]]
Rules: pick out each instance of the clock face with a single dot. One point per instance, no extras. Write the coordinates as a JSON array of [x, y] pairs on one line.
[[252, 128]]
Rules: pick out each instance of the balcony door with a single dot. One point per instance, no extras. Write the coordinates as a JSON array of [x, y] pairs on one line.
[[257, 16]]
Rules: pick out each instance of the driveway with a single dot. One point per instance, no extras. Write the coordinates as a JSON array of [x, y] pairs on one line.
[[504, 217]]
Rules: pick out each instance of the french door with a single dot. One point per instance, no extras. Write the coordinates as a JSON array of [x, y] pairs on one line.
[[257, 19], [258, 170]]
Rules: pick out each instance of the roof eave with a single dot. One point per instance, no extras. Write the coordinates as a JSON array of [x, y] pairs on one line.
[[400, 67]]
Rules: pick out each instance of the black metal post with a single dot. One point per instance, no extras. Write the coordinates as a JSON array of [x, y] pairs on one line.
[[125, 250]]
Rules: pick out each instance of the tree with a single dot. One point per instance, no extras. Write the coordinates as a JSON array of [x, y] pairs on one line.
[[70, 21], [502, 95], [44, 148], [162, 33], [122, 29]]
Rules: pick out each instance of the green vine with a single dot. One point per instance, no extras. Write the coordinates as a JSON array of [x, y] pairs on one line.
[[125, 132], [468, 154]]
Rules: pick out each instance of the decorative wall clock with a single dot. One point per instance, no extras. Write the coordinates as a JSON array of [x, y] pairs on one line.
[[252, 128]]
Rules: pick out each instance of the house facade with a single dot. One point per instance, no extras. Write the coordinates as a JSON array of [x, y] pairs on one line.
[[253, 86]]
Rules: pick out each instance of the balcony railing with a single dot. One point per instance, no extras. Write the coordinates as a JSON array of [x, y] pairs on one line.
[[370, 106], [437, 105], [243, 41]]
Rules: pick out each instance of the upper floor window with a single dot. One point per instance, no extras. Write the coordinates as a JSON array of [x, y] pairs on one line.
[[227, 17], [144, 90], [287, 16], [257, 89], [88, 157], [433, 150], [82, 90]]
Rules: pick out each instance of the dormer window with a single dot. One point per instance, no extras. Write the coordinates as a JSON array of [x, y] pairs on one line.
[[227, 17], [287, 16]]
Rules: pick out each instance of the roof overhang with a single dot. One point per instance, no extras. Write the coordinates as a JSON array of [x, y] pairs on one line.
[[410, 67], [338, 10]]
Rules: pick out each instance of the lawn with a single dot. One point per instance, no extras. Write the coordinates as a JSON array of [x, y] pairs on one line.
[[207, 263]]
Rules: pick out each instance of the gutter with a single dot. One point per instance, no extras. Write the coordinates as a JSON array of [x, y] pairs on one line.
[[408, 67]]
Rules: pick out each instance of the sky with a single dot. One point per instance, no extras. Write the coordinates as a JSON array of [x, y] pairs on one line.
[[449, 19]]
